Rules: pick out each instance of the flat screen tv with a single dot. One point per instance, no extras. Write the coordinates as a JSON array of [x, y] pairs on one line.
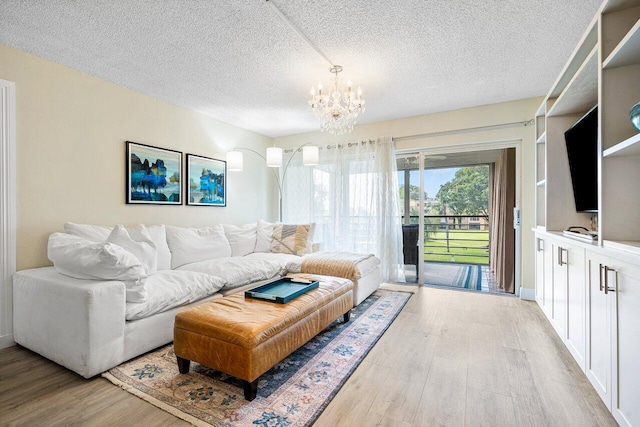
[[582, 150]]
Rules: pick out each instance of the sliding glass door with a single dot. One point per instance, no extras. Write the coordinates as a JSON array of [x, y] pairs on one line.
[[445, 209]]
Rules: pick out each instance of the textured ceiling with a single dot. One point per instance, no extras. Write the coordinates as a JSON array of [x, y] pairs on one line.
[[237, 61]]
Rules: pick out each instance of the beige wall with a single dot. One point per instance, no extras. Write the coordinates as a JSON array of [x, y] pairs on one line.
[[454, 120], [71, 133]]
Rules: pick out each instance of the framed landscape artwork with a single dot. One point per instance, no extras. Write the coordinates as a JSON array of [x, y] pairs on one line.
[[154, 175], [206, 183]]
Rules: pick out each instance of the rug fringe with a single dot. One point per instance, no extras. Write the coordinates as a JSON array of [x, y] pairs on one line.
[[157, 403]]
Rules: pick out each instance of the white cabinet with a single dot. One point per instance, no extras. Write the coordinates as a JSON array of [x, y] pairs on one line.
[[568, 314], [591, 296], [613, 339], [575, 333], [559, 289], [626, 342], [544, 274], [600, 306]]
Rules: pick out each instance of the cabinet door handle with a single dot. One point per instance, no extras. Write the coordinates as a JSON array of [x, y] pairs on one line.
[[560, 251], [600, 277], [540, 244], [607, 289]]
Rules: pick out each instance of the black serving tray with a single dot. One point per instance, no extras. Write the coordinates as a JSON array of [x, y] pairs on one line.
[[281, 291]]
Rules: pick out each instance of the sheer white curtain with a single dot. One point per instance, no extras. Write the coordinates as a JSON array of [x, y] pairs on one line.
[[352, 196]]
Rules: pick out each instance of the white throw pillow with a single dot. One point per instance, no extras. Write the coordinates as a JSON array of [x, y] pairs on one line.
[[94, 233], [189, 245], [264, 235], [139, 243], [242, 239], [80, 258], [158, 235]]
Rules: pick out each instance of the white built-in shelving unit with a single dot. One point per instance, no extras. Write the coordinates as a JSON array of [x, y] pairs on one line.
[[590, 291], [603, 70]]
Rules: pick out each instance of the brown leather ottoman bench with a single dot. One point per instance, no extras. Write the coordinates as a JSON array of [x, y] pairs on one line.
[[247, 337]]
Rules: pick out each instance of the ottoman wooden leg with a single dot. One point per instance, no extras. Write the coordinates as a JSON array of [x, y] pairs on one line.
[[346, 316], [250, 389], [183, 365]]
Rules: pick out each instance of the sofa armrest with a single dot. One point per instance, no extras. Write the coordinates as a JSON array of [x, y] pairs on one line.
[[76, 323]]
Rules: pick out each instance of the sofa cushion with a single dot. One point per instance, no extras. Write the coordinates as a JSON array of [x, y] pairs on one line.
[[172, 288], [189, 245], [80, 258], [291, 239], [237, 271], [340, 264], [139, 243], [281, 259], [264, 235], [242, 239], [158, 235], [94, 233]]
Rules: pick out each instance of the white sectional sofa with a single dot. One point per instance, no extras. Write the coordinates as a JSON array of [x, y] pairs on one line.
[[98, 306]]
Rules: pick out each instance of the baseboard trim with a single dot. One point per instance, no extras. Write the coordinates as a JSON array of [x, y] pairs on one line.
[[527, 294], [7, 341]]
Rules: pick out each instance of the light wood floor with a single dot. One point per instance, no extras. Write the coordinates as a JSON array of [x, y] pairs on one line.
[[451, 358]]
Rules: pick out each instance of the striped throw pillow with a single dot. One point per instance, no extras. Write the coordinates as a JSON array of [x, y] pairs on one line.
[[291, 239]]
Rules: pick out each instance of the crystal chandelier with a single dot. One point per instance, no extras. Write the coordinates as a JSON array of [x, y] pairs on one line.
[[339, 107]]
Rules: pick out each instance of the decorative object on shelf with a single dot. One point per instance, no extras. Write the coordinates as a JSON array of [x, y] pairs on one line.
[[154, 175], [273, 159], [206, 183], [634, 115], [339, 107]]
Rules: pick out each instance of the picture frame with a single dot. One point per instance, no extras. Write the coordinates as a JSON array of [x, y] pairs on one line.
[[154, 175], [206, 181]]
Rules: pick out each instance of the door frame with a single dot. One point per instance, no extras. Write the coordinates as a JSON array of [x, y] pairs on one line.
[[7, 209], [470, 147]]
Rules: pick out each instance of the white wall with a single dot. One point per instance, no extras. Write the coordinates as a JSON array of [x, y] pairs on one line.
[[495, 114], [71, 133]]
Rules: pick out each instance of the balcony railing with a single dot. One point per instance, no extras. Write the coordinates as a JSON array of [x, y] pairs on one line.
[[455, 238]]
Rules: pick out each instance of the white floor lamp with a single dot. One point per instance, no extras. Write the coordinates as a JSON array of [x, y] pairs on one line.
[[273, 159]]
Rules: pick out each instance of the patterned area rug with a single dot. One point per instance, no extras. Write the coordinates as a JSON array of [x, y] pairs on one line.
[[293, 393], [452, 275]]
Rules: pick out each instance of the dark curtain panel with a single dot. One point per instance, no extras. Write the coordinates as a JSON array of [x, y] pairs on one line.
[[502, 236]]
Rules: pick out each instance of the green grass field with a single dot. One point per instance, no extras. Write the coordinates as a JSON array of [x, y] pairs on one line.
[[465, 246]]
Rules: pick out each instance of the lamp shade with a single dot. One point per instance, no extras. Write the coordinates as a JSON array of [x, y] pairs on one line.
[[310, 155], [274, 157], [235, 161]]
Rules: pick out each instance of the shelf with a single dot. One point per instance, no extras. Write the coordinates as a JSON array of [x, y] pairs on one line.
[[541, 183], [632, 247], [583, 51], [542, 139], [616, 5], [581, 94], [628, 50], [628, 147]]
